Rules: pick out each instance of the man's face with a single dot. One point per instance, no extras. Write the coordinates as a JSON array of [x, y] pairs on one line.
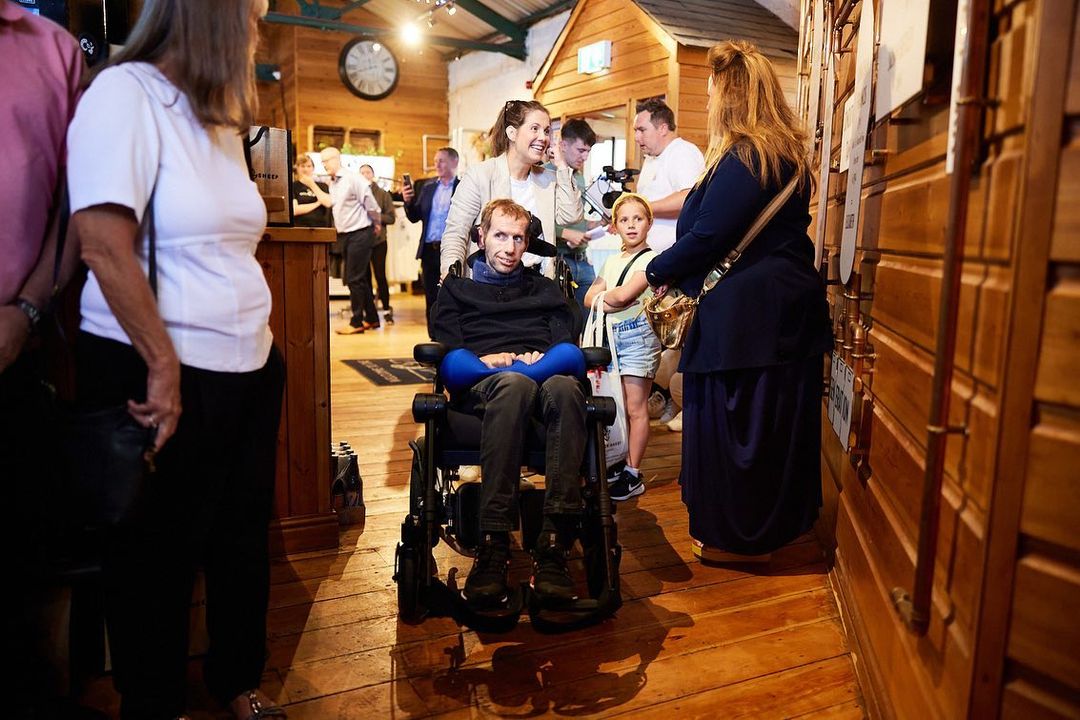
[[368, 173], [445, 166], [331, 160], [504, 242], [649, 138], [576, 152]]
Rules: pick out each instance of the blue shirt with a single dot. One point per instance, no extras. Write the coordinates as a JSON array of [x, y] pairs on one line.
[[440, 208]]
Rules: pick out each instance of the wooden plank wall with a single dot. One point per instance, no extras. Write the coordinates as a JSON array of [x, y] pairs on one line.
[[640, 64], [1023, 635], [315, 95], [1042, 645]]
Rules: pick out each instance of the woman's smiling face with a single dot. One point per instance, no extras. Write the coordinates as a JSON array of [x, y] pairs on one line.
[[531, 140]]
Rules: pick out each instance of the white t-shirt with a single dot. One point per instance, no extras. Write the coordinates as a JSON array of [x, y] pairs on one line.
[[524, 194], [676, 168], [131, 127]]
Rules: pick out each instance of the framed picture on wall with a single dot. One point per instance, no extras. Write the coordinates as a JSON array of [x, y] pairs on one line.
[[430, 145]]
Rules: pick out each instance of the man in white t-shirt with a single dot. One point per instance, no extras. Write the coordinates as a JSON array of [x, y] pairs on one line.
[[356, 219], [672, 166]]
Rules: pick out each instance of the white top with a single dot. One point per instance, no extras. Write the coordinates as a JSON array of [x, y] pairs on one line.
[[352, 197], [676, 168], [524, 194], [131, 126]]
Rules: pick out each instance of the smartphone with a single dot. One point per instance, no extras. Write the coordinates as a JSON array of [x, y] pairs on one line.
[[406, 179]]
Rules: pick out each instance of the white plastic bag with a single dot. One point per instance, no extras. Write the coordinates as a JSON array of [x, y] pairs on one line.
[[607, 382]]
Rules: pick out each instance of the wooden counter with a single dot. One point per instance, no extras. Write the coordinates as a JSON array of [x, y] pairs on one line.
[[295, 260]]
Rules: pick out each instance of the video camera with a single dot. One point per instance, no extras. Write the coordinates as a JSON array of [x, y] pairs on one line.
[[606, 189]]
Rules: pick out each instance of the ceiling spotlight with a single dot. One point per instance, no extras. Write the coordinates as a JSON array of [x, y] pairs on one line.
[[451, 8], [410, 33]]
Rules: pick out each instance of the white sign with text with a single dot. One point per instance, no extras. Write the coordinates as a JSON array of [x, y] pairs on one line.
[[901, 53], [864, 65], [841, 396]]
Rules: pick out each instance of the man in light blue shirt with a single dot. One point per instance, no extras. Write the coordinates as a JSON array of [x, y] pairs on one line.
[[431, 206]]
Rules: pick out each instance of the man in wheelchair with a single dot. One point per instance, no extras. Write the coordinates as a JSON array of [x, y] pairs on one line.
[[514, 359]]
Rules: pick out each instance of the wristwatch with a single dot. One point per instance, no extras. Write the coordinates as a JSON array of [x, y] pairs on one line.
[[30, 310]]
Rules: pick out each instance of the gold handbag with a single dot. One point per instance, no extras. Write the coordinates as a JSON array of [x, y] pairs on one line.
[[670, 315]]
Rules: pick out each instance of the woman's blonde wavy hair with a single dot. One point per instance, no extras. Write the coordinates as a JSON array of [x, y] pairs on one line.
[[749, 116], [206, 48]]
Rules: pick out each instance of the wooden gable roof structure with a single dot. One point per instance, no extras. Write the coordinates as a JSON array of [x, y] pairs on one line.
[[658, 48]]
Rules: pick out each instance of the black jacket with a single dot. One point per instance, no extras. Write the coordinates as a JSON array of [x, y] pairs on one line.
[[529, 317], [420, 208], [771, 307]]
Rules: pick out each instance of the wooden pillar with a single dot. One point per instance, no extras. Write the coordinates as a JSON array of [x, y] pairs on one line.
[[295, 263]]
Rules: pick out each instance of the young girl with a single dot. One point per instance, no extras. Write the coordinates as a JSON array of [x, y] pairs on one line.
[[634, 343]]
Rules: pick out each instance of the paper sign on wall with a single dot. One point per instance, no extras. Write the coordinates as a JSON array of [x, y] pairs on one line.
[[851, 117], [857, 148], [826, 153], [901, 54], [841, 397]]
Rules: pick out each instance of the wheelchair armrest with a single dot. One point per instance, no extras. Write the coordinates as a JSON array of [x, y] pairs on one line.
[[428, 406], [601, 408], [430, 353], [596, 357]]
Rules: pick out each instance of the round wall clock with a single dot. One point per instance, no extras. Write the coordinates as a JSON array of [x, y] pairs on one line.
[[368, 69]]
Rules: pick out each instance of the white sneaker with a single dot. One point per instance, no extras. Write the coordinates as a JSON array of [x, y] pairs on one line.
[[675, 425], [656, 404], [669, 412]]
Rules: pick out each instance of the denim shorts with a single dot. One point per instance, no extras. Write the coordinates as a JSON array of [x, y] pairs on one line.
[[636, 347]]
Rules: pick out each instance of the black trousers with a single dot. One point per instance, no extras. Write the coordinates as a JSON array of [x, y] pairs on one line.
[[210, 503], [27, 462], [359, 245], [507, 402], [429, 272], [378, 267]]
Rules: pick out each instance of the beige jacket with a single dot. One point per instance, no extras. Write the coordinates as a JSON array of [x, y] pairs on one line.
[[558, 200]]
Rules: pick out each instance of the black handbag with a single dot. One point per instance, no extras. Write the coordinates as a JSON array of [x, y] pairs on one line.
[[109, 457]]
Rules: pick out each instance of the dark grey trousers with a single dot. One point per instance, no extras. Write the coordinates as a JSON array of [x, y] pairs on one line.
[[506, 402], [358, 248]]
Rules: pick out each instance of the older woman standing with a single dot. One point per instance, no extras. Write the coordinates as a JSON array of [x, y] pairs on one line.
[[752, 361], [520, 142], [196, 361]]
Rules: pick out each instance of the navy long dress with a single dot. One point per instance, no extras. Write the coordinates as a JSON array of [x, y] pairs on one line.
[[752, 364]]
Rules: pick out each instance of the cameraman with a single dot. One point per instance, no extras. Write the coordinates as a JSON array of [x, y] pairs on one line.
[[671, 167], [576, 142]]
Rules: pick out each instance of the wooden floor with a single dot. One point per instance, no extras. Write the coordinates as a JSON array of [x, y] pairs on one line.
[[690, 641]]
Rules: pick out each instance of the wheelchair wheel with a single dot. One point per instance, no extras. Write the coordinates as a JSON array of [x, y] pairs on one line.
[[407, 576]]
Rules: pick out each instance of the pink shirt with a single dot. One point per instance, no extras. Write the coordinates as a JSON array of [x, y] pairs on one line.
[[42, 69]]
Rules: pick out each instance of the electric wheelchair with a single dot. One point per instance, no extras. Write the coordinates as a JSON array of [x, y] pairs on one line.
[[443, 509]]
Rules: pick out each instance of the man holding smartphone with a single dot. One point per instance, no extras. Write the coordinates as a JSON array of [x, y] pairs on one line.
[[431, 206]]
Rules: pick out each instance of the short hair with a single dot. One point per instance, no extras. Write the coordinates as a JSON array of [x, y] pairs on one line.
[[626, 199], [449, 151], [578, 129], [659, 112], [365, 165], [333, 151], [504, 206], [304, 159]]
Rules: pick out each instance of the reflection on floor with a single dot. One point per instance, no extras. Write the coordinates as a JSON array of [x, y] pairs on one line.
[[690, 641]]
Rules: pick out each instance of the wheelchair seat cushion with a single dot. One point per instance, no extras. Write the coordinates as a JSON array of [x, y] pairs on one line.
[[461, 368]]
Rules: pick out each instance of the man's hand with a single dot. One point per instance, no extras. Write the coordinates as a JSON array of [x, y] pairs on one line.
[[498, 360], [529, 358], [574, 238], [14, 330], [407, 193]]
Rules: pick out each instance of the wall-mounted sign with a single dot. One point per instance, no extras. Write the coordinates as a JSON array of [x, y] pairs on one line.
[[901, 53], [594, 57], [857, 149], [826, 141], [841, 396]]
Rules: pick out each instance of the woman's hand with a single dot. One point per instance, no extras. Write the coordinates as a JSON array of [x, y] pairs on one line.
[[555, 151], [498, 360], [162, 407], [660, 290]]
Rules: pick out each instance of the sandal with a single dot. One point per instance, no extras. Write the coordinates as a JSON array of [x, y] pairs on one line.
[[710, 554], [255, 708]]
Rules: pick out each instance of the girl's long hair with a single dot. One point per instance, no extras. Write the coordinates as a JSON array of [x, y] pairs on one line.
[[512, 115], [749, 116], [207, 48]]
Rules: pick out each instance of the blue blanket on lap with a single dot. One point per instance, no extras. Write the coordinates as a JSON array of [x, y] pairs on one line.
[[461, 368]]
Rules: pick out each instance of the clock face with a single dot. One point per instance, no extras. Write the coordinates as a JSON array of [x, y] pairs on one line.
[[368, 69]]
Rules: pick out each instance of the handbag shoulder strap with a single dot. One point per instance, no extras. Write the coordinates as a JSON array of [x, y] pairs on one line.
[[630, 265], [717, 273]]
